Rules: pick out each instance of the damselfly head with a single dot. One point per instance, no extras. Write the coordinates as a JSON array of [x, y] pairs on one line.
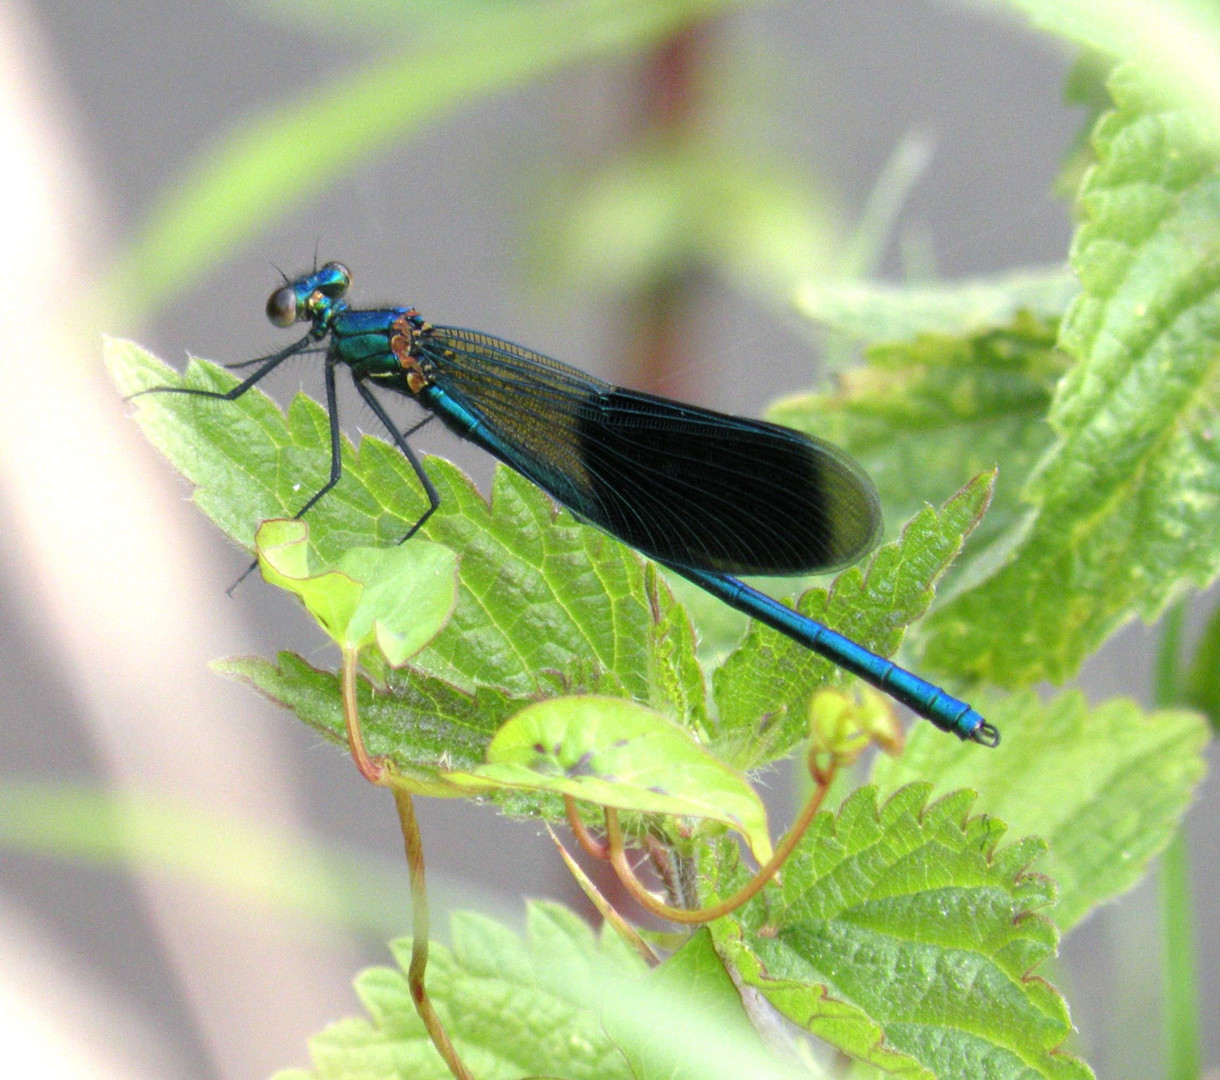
[[309, 297]]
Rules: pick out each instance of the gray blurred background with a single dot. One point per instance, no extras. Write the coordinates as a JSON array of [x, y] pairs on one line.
[[113, 585]]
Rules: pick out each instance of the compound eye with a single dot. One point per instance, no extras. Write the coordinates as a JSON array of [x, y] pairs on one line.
[[282, 306], [334, 278]]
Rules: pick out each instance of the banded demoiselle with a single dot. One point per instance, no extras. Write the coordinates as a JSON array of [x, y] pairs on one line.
[[706, 494]]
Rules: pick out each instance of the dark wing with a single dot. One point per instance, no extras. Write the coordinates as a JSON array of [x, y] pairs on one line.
[[682, 484]]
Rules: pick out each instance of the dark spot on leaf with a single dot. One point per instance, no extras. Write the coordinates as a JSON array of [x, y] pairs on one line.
[[581, 766]]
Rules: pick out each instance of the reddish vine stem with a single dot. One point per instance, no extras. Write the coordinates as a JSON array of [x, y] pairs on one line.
[[592, 847], [618, 859], [370, 768]]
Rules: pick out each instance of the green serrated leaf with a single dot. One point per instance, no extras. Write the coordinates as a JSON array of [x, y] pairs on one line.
[[1176, 40], [561, 1003], [1084, 88], [678, 688], [1128, 498], [423, 725], [1105, 787], [616, 753], [706, 1032], [907, 937], [398, 598], [512, 1008], [763, 689], [540, 594], [923, 414]]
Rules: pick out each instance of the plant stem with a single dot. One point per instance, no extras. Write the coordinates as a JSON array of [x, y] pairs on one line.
[[1167, 681], [1183, 1050], [372, 771], [622, 867], [1181, 977], [419, 936]]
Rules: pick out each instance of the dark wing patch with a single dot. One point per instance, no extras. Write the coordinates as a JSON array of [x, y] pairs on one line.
[[679, 483]]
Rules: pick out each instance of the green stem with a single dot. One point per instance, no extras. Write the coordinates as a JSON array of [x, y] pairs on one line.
[[1181, 987], [1183, 1049], [1167, 680]]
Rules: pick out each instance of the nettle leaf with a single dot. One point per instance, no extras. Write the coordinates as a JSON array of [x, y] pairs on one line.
[[544, 601], [763, 688], [248, 461], [397, 598], [1106, 786], [512, 1008], [923, 415], [560, 1003], [620, 754], [686, 1021], [906, 936], [425, 726], [1180, 37], [1129, 496], [428, 727]]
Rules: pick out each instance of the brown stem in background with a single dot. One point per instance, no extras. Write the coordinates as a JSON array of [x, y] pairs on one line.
[[419, 936], [670, 99]]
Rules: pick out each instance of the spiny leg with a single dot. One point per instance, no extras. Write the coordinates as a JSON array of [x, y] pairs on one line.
[[428, 418], [298, 351], [404, 447], [336, 441], [269, 364], [336, 457]]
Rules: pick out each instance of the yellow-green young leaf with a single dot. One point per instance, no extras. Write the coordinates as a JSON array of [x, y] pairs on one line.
[[1128, 497], [397, 597], [1106, 787], [877, 313], [616, 753], [907, 936]]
